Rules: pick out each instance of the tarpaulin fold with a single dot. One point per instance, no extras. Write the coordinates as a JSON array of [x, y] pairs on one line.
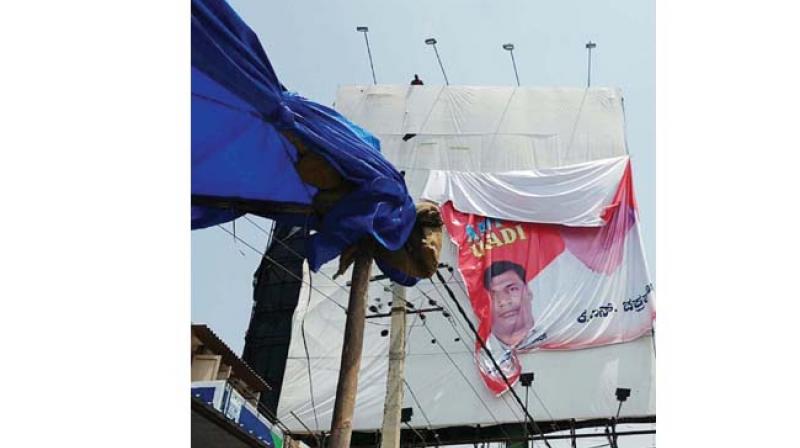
[[574, 195], [241, 156]]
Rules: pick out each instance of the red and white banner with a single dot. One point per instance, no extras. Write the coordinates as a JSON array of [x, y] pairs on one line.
[[545, 286]]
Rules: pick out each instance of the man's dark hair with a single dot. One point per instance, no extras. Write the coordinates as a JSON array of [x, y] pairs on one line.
[[500, 267]]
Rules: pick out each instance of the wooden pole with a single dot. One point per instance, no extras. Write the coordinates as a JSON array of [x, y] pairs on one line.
[[342, 422], [390, 432]]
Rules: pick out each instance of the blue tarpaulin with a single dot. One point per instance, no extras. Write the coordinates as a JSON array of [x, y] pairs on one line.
[[241, 161]]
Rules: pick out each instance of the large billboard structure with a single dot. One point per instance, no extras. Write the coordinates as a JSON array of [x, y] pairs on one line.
[[442, 134]]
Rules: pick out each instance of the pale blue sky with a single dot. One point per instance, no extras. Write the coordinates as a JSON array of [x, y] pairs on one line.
[[314, 48]]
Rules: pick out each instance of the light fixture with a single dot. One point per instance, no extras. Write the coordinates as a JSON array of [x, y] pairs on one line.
[[526, 379], [365, 30], [623, 394], [589, 46], [405, 414], [431, 41], [510, 48]]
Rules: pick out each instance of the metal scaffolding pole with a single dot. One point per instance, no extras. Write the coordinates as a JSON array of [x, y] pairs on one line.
[[589, 46]]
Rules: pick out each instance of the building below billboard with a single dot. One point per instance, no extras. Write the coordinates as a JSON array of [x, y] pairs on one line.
[[225, 398]]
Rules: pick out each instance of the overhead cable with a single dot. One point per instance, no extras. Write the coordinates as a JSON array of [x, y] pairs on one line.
[[463, 340], [538, 398], [492, 358], [277, 263], [464, 376]]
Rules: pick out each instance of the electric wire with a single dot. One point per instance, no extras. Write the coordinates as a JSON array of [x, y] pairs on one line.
[[302, 325], [235, 243], [270, 236], [308, 359], [419, 406], [294, 252], [450, 319], [469, 350], [504, 397], [273, 416], [415, 432], [277, 263], [463, 339], [269, 233], [424, 415], [541, 402], [323, 273], [535, 394], [444, 282], [408, 386], [410, 328], [303, 424], [494, 362], [463, 375]]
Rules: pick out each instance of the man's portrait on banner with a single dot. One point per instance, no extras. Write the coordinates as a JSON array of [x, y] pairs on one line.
[[512, 305]]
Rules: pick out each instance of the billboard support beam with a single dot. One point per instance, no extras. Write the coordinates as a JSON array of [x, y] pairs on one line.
[[471, 435]]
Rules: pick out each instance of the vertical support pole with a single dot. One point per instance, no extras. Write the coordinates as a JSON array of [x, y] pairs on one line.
[[614, 420], [369, 53], [441, 65], [390, 432], [573, 440], [514, 63], [608, 436], [342, 422], [527, 421], [589, 46]]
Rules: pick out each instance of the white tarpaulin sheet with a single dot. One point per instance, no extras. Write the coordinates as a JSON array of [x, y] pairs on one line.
[[483, 130], [487, 129], [575, 195]]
